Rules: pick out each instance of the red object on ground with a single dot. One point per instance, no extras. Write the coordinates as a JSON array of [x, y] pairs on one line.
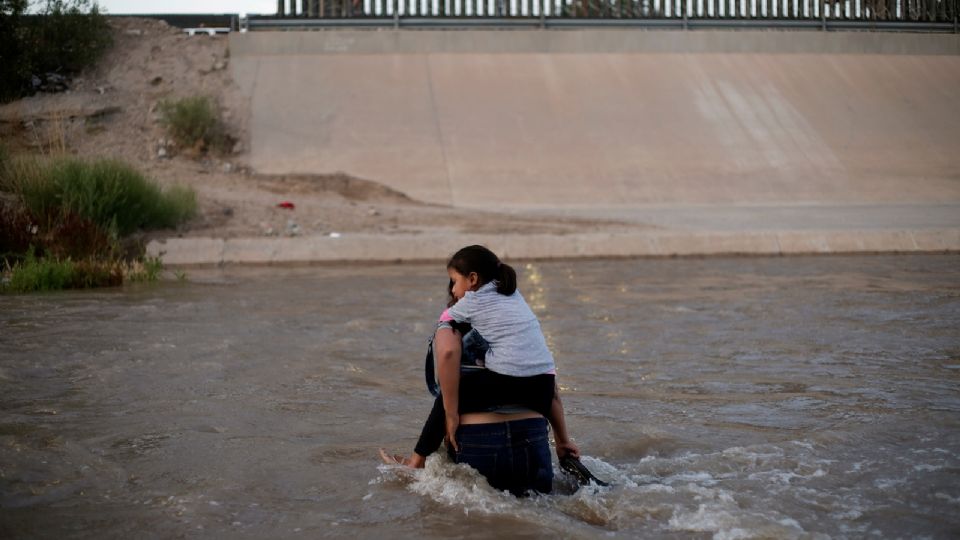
[[286, 204]]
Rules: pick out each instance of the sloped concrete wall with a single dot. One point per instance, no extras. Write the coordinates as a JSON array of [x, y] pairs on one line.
[[520, 119]]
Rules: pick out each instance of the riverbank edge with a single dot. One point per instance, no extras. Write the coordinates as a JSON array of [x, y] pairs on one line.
[[368, 247]]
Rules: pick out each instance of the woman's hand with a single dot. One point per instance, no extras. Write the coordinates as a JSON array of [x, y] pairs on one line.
[[453, 422], [567, 448]]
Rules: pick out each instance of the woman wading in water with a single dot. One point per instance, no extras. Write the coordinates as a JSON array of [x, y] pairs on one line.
[[509, 447]]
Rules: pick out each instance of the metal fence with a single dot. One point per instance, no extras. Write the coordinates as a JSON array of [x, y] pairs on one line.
[[919, 15]]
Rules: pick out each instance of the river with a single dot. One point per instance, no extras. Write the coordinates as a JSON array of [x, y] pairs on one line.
[[800, 397]]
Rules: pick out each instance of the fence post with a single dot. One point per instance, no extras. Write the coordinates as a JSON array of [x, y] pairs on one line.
[[543, 14], [683, 11], [396, 14]]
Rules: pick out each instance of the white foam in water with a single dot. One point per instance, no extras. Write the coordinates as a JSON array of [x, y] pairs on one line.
[[948, 498], [727, 521], [724, 494], [887, 483], [849, 515], [462, 487], [459, 485], [654, 488]]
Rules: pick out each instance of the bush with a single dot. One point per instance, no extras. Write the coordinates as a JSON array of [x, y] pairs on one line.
[[35, 274], [61, 223], [4, 164], [69, 236], [180, 205], [69, 35], [109, 193], [194, 123], [17, 233], [64, 37]]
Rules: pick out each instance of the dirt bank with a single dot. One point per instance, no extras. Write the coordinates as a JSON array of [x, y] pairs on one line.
[[111, 111]]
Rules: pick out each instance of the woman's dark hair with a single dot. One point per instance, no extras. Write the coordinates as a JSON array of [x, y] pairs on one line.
[[487, 266]]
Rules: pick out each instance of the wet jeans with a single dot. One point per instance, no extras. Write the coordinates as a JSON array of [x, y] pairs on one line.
[[485, 391], [513, 456]]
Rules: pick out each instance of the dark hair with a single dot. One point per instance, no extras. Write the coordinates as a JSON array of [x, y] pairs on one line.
[[487, 267], [451, 299]]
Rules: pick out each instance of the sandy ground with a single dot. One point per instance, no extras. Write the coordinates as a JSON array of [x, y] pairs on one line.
[[111, 111]]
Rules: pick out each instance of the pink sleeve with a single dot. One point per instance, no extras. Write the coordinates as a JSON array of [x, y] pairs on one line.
[[445, 316]]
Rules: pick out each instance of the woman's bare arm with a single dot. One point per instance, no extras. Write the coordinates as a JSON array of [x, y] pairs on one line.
[[565, 445], [446, 351]]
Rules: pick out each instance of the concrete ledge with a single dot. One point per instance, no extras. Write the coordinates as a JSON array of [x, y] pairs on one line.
[[588, 41], [437, 247]]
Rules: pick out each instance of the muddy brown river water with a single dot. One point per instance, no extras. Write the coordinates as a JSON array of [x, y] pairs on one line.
[[723, 398]]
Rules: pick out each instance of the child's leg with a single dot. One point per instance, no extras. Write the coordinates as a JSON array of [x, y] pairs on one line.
[[430, 438]]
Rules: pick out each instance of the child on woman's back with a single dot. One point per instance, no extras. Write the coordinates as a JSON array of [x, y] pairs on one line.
[[519, 372]]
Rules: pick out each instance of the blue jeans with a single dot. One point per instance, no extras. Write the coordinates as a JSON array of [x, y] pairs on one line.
[[513, 456]]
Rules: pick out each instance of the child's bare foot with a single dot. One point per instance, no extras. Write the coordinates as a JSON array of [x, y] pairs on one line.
[[415, 461]]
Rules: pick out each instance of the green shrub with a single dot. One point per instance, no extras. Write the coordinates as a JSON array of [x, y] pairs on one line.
[[194, 123], [180, 204], [35, 274], [64, 37], [109, 193], [64, 229]]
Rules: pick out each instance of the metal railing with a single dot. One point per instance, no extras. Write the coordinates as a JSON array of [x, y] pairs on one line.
[[905, 15]]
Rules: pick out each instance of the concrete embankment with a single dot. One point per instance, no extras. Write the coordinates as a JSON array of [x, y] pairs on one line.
[[527, 118], [586, 121], [439, 247]]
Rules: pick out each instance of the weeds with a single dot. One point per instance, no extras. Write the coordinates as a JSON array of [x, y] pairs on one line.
[[146, 269], [63, 221], [111, 194], [50, 137], [35, 274], [194, 123]]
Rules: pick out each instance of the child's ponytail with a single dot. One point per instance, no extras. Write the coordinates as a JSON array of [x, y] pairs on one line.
[[506, 279]]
